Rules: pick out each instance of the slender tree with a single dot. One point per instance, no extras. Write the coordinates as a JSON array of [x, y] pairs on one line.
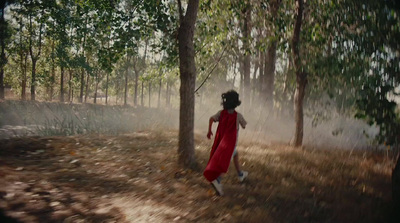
[[301, 76], [187, 67], [127, 73], [3, 58]]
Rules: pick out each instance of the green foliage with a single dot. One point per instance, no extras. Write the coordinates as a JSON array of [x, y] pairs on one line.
[[376, 108], [349, 48]]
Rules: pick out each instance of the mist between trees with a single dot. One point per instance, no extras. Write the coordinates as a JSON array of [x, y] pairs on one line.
[[26, 118]]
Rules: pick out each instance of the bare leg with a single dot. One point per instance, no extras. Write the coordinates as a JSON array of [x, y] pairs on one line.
[[236, 162]]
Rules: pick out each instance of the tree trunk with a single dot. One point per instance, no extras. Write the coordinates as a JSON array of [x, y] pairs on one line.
[[96, 88], [80, 100], [126, 82], [167, 95], [23, 65], [87, 87], [23, 84], [53, 71], [70, 86], [141, 100], [136, 87], [149, 94], [70, 91], [396, 185], [269, 75], [159, 93], [126, 89], [33, 80], [3, 58], [301, 78], [187, 68], [107, 78], [62, 85], [83, 70], [2, 83], [246, 58]]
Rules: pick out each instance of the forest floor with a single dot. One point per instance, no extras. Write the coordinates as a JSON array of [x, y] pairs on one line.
[[135, 178]]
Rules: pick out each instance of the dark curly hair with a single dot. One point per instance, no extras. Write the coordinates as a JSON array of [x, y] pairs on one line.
[[230, 99]]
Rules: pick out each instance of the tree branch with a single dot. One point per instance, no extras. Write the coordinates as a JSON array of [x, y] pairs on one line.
[[209, 74]]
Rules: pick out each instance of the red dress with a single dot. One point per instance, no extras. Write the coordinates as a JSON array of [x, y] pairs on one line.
[[224, 144]]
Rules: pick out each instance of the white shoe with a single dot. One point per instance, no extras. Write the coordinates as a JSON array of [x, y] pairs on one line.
[[218, 187], [243, 176]]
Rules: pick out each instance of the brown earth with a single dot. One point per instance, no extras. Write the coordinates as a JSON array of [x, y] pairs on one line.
[[135, 178]]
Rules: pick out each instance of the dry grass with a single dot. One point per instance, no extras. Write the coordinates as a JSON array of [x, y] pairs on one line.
[[135, 178]]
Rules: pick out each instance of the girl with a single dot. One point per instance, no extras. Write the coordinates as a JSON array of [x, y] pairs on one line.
[[224, 147]]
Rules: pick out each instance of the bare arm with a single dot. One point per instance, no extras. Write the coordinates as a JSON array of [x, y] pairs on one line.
[[210, 123], [242, 121]]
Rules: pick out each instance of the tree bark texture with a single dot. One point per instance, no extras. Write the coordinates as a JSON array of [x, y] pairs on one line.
[[396, 185], [96, 88], [126, 89], [83, 70], [136, 87], [33, 80], [23, 83], [167, 95], [141, 99], [82, 86], [70, 86], [23, 66], [3, 58], [53, 71], [107, 79], [159, 93], [186, 153], [301, 78], [87, 87], [126, 81], [149, 93], [1, 83], [269, 75], [62, 85], [246, 57]]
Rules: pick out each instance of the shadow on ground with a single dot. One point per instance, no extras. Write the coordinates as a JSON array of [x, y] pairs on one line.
[[135, 178]]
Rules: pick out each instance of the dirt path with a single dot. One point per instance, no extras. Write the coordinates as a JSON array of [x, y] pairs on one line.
[[134, 178]]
